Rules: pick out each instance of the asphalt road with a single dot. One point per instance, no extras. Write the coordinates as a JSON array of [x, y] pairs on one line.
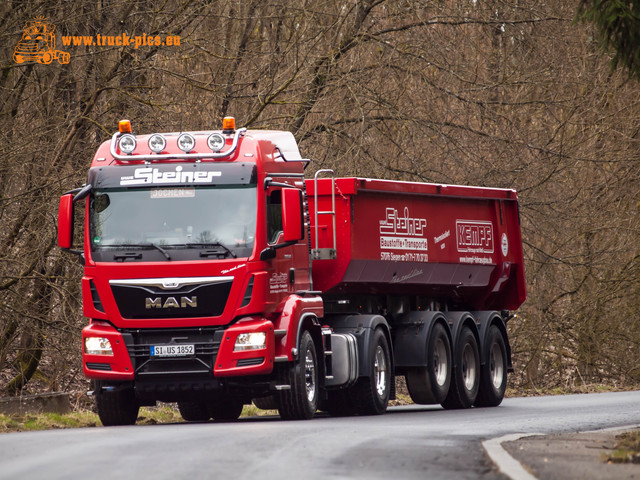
[[406, 443]]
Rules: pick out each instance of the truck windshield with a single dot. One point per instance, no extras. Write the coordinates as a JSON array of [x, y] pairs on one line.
[[222, 217]]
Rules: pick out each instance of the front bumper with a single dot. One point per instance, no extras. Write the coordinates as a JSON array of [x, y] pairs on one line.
[[214, 353]]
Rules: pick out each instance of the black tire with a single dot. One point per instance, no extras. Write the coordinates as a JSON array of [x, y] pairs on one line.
[[301, 401], [194, 411], [429, 385], [339, 403], [371, 394], [266, 403], [227, 410], [118, 407], [493, 374], [466, 373]]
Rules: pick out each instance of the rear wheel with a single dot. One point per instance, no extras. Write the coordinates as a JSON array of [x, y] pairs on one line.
[[371, 394], [493, 374], [466, 374], [194, 411], [430, 385], [300, 402], [117, 407]]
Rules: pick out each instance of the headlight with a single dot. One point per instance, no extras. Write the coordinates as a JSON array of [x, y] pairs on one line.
[[215, 142], [157, 143], [97, 346], [186, 142], [127, 143], [251, 341]]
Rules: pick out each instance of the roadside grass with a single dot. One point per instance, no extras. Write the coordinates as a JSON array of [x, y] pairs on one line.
[[163, 414], [626, 449]]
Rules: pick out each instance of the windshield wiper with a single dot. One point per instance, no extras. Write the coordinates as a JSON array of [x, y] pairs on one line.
[[212, 244], [141, 245], [157, 247]]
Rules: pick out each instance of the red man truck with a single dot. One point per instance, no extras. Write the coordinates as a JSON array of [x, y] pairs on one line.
[[216, 274]]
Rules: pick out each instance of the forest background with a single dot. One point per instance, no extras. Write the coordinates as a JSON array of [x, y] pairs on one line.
[[505, 93]]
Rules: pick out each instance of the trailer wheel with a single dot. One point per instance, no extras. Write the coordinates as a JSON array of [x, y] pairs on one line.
[[371, 393], [430, 385], [493, 374], [466, 374], [118, 407], [194, 411], [226, 410], [301, 401]]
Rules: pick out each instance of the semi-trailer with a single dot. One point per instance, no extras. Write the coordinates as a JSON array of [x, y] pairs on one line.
[[216, 274]]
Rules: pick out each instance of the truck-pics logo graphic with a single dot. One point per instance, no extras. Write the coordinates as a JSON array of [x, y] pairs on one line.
[[38, 43], [474, 236]]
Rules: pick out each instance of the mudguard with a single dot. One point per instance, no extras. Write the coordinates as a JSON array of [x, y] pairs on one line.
[[362, 327], [410, 337]]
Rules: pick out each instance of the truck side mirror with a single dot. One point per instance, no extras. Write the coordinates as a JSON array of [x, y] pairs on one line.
[[65, 221], [292, 215]]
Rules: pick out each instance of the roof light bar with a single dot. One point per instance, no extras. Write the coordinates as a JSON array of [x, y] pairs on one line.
[[178, 156]]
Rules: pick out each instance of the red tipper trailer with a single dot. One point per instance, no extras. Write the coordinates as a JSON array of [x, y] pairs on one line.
[[440, 241], [216, 275]]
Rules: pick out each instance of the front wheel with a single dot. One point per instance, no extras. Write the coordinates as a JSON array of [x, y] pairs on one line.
[[194, 411], [226, 410], [371, 393], [493, 374], [116, 407], [300, 402]]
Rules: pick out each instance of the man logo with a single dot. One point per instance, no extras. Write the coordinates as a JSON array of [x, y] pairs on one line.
[[171, 302]]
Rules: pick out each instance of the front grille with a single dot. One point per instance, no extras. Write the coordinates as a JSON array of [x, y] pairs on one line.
[[206, 342], [145, 301]]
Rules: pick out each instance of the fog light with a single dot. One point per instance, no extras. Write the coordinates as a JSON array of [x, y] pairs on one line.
[[127, 143], [215, 142], [251, 341], [157, 143], [186, 142], [97, 346]]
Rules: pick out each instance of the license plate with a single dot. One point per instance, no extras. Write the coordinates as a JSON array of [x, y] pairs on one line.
[[172, 350]]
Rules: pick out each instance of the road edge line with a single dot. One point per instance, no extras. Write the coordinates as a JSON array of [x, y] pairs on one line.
[[505, 463], [511, 467]]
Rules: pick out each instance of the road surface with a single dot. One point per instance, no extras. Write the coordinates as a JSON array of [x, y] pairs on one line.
[[407, 443]]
